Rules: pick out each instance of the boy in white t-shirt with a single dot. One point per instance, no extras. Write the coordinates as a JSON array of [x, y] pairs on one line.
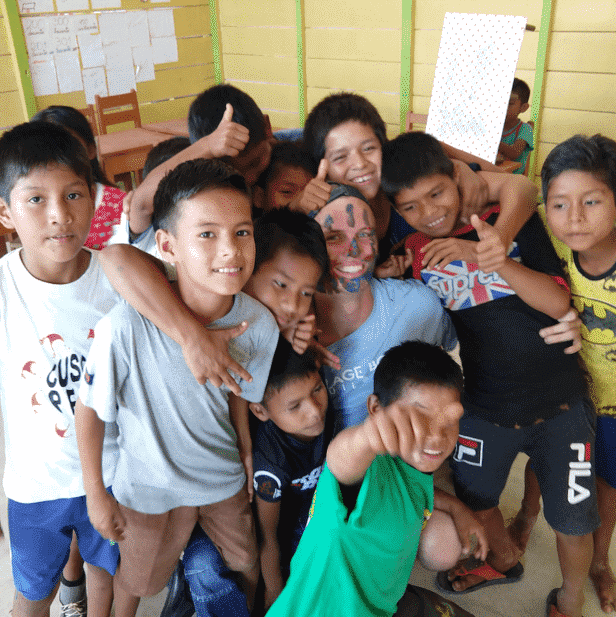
[[46, 196], [183, 445]]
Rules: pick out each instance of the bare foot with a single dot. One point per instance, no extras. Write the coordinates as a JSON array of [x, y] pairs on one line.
[[603, 581], [461, 579], [520, 528]]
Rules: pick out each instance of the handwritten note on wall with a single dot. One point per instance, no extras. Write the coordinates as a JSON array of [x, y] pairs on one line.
[[476, 64]]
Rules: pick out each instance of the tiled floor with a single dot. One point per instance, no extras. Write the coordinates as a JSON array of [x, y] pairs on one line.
[[523, 599]]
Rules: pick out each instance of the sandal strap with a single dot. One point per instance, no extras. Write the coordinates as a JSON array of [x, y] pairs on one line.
[[485, 571]]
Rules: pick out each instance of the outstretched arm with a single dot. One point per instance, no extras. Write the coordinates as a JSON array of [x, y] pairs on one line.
[[268, 514], [138, 278]]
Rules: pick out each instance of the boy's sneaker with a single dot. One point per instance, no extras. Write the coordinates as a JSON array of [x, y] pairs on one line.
[[72, 596]]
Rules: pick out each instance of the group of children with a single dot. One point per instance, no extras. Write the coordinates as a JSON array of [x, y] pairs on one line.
[[146, 426]]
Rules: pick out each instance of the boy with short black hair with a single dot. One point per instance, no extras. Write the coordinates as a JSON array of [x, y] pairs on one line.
[[520, 394], [183, 444], [289, 451], [579, 188], [46, 196], [376, 494], [517, 140]]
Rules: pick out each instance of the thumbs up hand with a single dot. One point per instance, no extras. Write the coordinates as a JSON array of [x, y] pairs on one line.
[[316, 193], [229, 138], [491, 251]]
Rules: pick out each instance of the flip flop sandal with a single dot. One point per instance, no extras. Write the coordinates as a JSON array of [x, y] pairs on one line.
[[551, 605], [491, 576]]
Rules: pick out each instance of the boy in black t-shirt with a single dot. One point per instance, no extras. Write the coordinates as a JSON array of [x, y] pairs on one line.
[[289, 448], [520, 394]]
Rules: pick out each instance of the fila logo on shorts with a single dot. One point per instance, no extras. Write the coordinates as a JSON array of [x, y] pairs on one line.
[[469, 450], [579, 469]]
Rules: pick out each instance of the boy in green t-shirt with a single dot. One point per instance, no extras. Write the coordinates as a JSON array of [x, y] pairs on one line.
[[376, 494]]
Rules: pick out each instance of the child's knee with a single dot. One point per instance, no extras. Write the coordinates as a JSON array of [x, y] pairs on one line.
[[439, 545], [243, 560]]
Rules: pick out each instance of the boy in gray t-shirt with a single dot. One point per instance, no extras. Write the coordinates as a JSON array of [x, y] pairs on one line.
[[182, 444]]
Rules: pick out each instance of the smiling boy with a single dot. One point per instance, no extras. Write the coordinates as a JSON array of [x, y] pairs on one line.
[[182, 444]]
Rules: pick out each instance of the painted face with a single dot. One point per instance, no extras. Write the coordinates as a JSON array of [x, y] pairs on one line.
[[434, 412], [581, 211], [284, 186], [348, 226], [252, 162], [51, 209], [355, 157], [213, 244], [285, 285], [299, 407], [431, 205]]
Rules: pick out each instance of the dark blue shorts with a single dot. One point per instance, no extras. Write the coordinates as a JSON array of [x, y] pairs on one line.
[[41, 534], [606, 449], [562, 451]]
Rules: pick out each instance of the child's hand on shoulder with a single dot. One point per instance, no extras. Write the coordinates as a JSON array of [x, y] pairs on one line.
[[105, 516], [301, 335], [567, 329], [395, 266], [229, 138], [473, 190], [315, 193], [491, 250], [439, 253]]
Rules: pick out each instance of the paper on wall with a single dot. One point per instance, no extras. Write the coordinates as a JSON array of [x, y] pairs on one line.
[[72, 5], [161, 22], [91, 48], [143, 59], [69, 72], [37, 36], [138, 30], [43, 74], [113, 27], [36, 6], [121, 81], [86, 23], [476, 64], [118, 55], [94, 83], [106, 4], [165, 49]]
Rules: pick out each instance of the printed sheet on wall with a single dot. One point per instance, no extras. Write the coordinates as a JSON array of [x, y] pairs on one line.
[[476, 64]]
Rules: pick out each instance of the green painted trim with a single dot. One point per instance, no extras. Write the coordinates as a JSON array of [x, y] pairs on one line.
[[21, 56], [406, 61], [540, 64], [301, 60], [214, 31]]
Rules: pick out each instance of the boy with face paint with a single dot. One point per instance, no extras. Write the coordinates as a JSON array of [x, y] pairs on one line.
[[361, 317]]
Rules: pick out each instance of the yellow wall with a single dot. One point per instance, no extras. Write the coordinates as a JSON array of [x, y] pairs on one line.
[[11, 109], [352, 45]]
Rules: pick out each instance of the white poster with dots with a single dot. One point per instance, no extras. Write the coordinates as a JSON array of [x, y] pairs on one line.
[[476, 64]]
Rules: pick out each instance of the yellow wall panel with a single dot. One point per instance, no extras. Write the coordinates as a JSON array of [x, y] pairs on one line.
[[10, 109], [168, 110], [171, 83], [283, 119], [7, 82], [270, 96], [371, 45], [593, 92], [353, 14], [257, 41], [353, 74], [560, 124], [138, 4], [387, 104], [585, 52], [4, 41], [73, 99], [425, 46], [257, 13], [192, 20], [581, 15], [197, 50], [256, 68]]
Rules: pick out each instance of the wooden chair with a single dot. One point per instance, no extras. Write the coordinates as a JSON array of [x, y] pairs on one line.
[[90, 115], [133, 160], [412, 118], [113, 110]]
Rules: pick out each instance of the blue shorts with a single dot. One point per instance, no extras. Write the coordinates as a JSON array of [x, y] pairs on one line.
[[605, 452], [41, 534], [561, 450]]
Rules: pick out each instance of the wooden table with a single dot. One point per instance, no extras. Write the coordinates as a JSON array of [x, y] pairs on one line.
[[125, 151], [178, 128]]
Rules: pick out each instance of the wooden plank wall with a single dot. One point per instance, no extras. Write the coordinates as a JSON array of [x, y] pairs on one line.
[[11, 109], [176, 83]]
